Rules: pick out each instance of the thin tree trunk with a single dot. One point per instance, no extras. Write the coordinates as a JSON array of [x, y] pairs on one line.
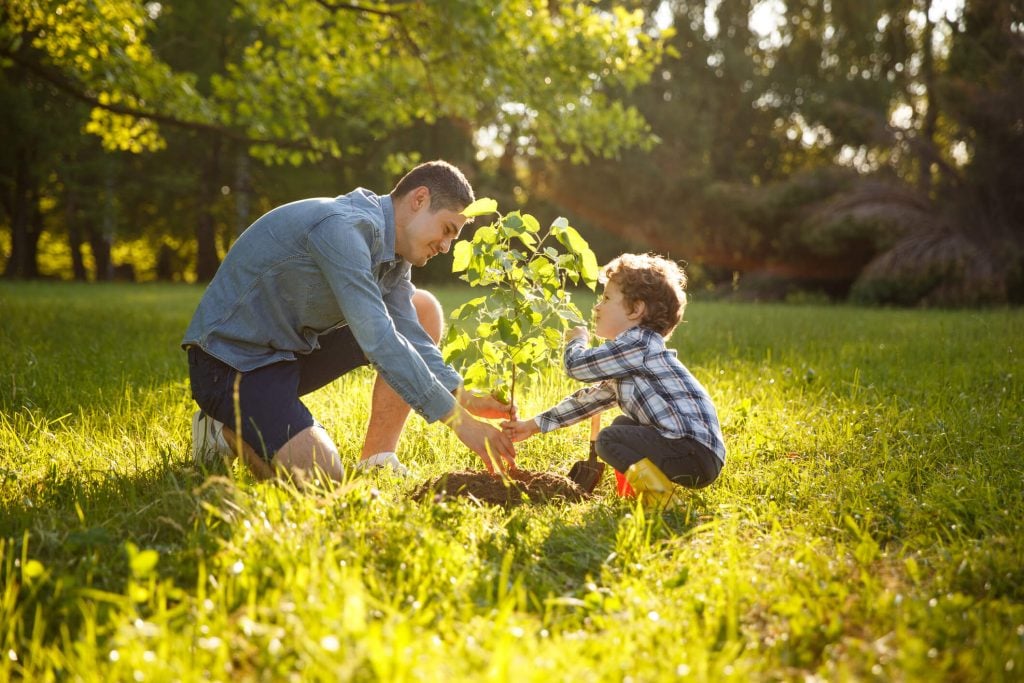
[[243, 192], [102, 239], [24, 240], [926, 153], [206, 229], [74, 235]]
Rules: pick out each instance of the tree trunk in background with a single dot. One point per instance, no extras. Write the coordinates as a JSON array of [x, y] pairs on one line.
[[243, 192], [74, 236], [24, 228], [926, 151], [100, 254], [103, 239], [206, 228]]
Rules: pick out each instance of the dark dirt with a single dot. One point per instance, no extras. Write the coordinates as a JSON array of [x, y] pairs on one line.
[[522, 486]]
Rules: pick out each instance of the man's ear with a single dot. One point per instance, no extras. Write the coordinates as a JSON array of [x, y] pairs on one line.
[[639, 308], [420, 197]]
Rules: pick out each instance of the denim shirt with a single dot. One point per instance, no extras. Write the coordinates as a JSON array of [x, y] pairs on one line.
[[309, 267]]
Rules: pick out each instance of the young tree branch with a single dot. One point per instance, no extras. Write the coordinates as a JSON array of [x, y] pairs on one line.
[[78, 92]]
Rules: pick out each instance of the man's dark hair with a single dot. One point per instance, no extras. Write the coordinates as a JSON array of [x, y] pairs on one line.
[[449, 189]]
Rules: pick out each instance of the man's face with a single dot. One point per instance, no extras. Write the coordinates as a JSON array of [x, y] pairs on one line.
[[429, 234]]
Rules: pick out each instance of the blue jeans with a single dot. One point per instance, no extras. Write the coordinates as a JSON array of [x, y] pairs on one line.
[[268, 397], [684, 461]]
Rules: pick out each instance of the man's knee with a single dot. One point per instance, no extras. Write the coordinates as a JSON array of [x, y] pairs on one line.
[[429, 312], [309, 450]]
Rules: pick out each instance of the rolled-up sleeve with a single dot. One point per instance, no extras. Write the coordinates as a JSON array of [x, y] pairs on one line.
[[342, 250]]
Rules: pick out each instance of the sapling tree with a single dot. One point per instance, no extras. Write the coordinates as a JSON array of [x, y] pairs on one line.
[[504, 339]]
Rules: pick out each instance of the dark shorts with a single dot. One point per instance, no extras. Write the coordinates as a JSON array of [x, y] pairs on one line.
[[685, 461], [268, 397]]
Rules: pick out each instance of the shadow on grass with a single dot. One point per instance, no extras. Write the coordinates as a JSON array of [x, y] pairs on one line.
[[81, 527], [612, 538]]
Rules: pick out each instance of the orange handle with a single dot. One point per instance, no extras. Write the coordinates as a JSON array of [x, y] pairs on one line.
[[595, 426]]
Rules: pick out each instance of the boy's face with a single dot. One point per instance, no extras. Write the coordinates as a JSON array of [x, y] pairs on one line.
[[612, 316]]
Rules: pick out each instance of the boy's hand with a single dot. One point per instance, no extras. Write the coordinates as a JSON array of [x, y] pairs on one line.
[[578, 332], [517, 430], [485, 406]]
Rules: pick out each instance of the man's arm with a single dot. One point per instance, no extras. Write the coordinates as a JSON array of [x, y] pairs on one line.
[[399, 304], [348, 271], [341, 248]]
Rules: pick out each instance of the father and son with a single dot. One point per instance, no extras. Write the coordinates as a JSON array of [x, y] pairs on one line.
[[318, 287]]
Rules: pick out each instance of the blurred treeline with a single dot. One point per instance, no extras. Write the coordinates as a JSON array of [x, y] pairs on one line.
[[869, 150]]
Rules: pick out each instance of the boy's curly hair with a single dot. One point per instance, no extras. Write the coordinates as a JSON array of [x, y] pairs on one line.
[[659, 283]]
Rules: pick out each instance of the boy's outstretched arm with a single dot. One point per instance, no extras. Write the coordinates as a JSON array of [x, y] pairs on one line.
[[518, 430]]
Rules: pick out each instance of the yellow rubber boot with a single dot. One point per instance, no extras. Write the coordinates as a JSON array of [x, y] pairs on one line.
[[650, 483]]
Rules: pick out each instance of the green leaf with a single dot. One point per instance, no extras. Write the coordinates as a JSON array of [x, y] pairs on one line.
[[486, 236], [455, 348], [480, 207], [527, 239], [508, 331], [490, 353], [531, 224], [553, 338], [542, 270], [469, 308], [513, 223], [461, 255], [476, 376], [571, 239], [589, 269]]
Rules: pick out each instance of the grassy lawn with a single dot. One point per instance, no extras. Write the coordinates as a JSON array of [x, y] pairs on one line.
[[867, 525]]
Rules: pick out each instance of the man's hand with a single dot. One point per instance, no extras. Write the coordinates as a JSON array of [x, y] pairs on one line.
[[486, 406], [578, 332], [493, 447], [518, 430]]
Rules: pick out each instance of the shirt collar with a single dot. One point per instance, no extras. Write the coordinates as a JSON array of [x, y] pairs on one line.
[[388, 252]]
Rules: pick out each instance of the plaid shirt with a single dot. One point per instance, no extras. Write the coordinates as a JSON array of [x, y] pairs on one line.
[[646, 380]]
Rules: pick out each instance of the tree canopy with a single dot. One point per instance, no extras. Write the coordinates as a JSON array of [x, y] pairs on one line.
[[868, 149], [865, 147], [304, 81]]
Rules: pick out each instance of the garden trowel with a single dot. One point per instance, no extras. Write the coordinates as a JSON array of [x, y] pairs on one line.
[[587, 473]]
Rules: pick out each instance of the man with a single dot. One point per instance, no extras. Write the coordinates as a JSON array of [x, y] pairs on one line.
[[312, 290]]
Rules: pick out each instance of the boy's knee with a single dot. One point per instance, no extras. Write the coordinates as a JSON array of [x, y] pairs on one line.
[[429, 312], [608, 449]]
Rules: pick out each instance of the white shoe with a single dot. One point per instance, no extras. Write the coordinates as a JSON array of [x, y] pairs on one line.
[[386, 459], [208, 443]]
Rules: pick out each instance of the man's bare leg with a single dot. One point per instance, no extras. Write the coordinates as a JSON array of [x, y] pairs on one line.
[[388, 412], [313, 448], [305, 452]]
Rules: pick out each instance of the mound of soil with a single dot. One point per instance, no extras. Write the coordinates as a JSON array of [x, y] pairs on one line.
[[520, 486]]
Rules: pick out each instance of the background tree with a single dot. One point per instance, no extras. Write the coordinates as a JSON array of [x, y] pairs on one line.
[[836, 147], [314, 81]]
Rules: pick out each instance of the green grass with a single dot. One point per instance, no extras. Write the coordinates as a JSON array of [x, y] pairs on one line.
[[867, 525]]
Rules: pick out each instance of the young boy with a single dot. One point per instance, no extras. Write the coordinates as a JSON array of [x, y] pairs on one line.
[[669, 431]]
